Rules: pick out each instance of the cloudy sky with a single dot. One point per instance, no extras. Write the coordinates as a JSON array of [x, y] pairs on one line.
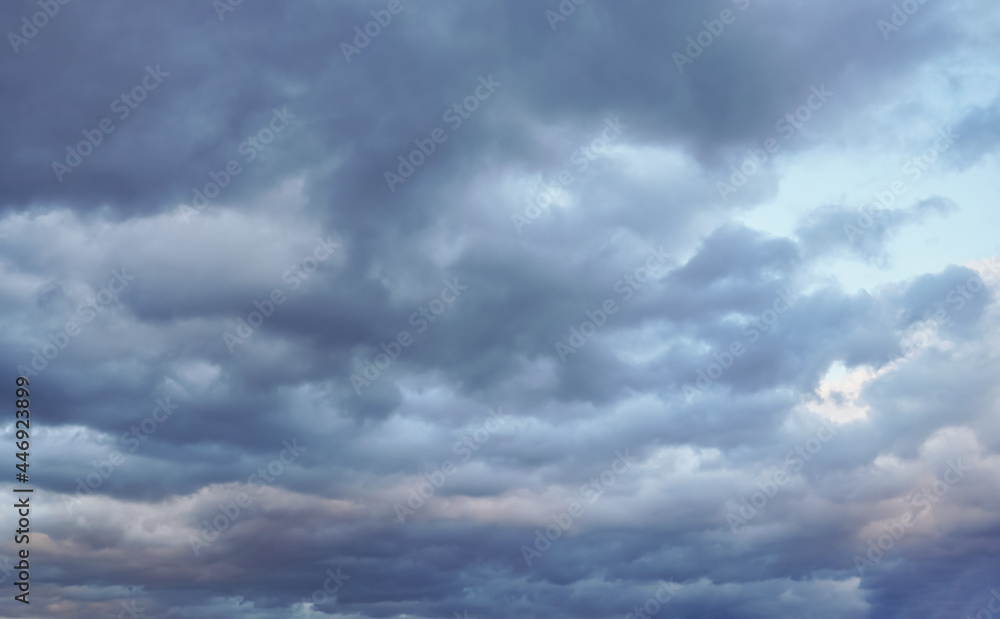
[[503, 309]]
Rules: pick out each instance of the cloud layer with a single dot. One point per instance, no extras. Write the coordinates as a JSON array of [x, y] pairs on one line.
[[373, 309]]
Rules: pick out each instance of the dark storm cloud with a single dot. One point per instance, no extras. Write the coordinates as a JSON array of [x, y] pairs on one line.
[[194, 121]]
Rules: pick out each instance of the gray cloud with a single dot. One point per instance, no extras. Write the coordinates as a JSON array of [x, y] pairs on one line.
[[915, 391]]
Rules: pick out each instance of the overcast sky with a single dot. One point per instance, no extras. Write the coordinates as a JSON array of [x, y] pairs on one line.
[[504, 309]]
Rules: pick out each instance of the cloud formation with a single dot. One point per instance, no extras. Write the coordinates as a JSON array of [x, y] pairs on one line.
[[274, 270]]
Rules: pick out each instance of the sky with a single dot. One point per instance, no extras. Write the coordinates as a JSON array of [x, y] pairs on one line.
[[571, 309]]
